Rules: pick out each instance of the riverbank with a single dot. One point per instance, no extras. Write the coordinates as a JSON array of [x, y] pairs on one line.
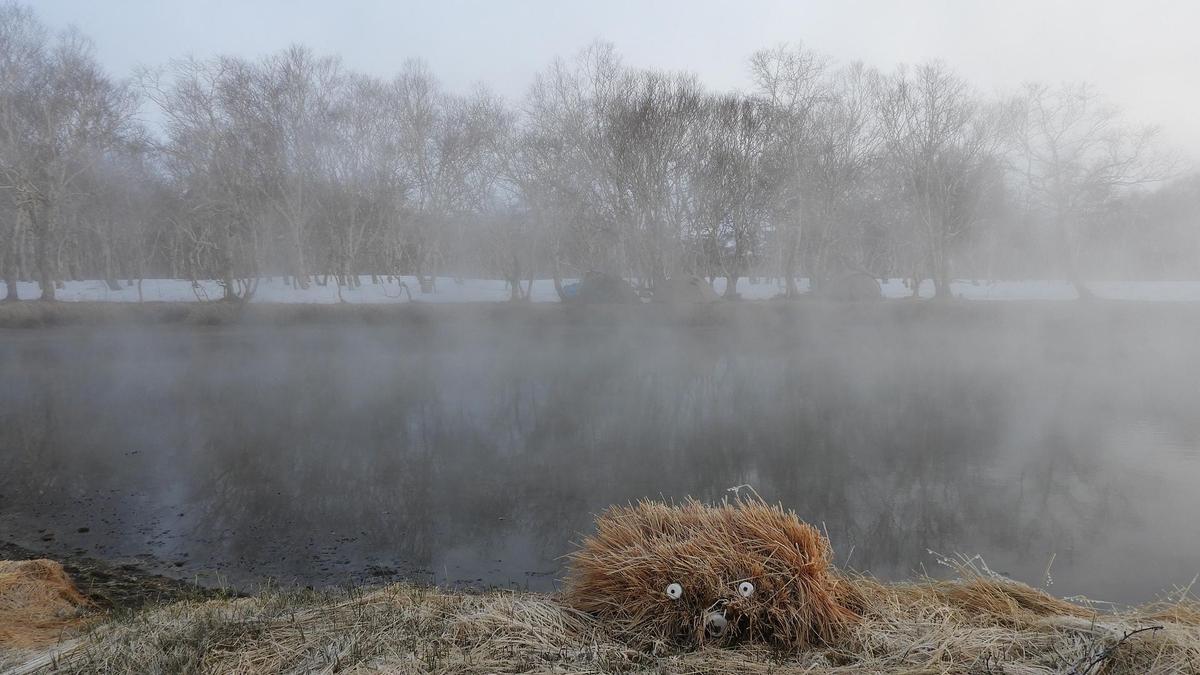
[[36, 314], [978, 623], [450, 290], [120, 587]]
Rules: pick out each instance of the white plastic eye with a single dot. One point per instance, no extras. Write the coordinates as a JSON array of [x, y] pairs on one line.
[[746, 589], [674, 591]]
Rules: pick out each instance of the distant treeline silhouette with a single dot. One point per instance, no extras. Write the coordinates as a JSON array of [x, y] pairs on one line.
[[295, 165]]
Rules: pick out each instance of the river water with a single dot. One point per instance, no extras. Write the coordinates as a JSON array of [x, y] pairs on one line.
[[1060, 446]]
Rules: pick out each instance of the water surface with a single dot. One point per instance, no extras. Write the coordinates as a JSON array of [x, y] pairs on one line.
[[475, 451]]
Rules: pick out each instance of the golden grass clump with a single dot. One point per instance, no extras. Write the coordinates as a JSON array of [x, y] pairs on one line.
[[694, 574], [38, 603]]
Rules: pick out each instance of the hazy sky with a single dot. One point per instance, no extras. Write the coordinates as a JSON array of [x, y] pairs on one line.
[[1145, 55]]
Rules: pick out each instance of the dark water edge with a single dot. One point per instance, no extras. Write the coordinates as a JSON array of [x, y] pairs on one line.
[[119, 586], [33, 315], [469, 445]]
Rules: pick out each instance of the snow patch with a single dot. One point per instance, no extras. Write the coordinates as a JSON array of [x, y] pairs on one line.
[[450, 290]]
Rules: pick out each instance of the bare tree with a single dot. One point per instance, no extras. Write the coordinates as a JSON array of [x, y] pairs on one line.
[[730, 190], [791, 80], [944, 144], [445, 143], [560, 169], [644, 128], [294, 165], [10, 245], [113, 225], [1075, 154], [59, 114], [209, 154], [362, 181], [539, 168], [292, 105], [843, 147]]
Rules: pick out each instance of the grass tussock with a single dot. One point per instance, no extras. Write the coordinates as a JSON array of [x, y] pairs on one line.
[[694, 574], [38, 603]]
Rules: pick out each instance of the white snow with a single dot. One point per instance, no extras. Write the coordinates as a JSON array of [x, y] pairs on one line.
[[1158, 291], [449, 290], [446, 289]]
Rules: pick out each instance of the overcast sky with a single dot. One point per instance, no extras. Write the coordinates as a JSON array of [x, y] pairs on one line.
[[1145, 55]]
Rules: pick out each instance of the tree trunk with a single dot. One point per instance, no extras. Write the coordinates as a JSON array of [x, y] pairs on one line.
[[41, 251], [227, 262], [941, 288], [1074, 276], [10, 285], [941, 278], [298, 266], [11, 265], [23, 272], [514, 280], [110, 277], [791, 291], [731, 286], [558, 284], [939, 263], [1070, 258]]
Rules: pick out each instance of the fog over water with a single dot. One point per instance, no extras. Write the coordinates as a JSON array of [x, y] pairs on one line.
[[355, 317], [474, 448]]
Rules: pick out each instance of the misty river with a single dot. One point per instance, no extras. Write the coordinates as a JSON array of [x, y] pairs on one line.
[[1059, 442]]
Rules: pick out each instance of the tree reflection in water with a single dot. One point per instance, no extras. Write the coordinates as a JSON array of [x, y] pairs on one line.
[[325, 453]]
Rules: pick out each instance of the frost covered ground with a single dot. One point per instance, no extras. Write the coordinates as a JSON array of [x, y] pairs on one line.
[[449, 290]]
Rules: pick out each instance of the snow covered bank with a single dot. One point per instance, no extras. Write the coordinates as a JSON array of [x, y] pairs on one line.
[[449, 290]]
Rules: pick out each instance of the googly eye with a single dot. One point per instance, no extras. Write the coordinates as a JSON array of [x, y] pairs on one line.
[[746, 589], [674, 591]]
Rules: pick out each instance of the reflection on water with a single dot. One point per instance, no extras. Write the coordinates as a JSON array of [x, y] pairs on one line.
[[477, 452]]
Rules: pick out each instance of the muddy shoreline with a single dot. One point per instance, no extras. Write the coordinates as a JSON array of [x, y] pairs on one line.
[[36, 314], [134, 582], [119, 586]]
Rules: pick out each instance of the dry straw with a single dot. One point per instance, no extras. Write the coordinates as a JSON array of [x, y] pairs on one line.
[[972, 625], [38, 603], [656, 573]]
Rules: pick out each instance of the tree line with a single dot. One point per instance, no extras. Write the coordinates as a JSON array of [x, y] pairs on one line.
[[294, 165]]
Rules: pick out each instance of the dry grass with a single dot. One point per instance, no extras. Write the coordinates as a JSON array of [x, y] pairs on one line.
[[830, 622], [757, 566], [975, 624], [38, 603]]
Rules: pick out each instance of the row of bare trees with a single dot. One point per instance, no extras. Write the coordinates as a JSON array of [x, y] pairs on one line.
[[292, 165]]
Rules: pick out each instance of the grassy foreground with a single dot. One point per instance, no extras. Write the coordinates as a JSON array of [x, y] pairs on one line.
[[977, 624]]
